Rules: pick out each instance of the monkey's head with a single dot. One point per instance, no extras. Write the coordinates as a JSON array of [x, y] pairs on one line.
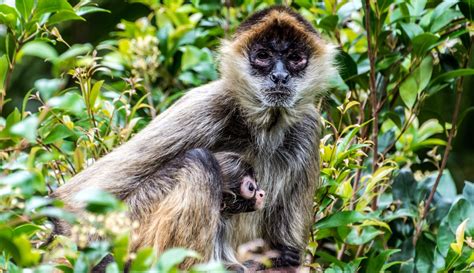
[[241, 192], [277, 59]]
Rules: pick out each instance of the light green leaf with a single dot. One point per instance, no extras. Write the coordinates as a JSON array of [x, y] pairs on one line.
[[26, 128], [409, 91], [46, 6], [95, 93], [90, 9], [47, 87], [457, 246], [8, 15], [38, 49], [4, 65], [25, 7], [173, 257], [64, 15], [191, 57], [70, 102], [423, 73]]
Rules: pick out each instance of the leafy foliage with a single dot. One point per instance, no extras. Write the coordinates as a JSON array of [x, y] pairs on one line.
[[387, 202]]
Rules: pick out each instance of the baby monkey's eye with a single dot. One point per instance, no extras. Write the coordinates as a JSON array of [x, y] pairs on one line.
[[251, 187]]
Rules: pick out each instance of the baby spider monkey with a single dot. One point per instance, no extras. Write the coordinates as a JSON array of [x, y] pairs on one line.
[[241, 192]]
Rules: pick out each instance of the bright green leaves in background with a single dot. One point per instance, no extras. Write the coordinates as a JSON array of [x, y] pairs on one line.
[[98, 94]]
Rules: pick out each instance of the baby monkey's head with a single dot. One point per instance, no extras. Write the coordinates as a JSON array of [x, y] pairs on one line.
[[241, 192]]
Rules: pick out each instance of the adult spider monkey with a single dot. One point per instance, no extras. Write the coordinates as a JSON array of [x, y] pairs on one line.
[[262, 108]]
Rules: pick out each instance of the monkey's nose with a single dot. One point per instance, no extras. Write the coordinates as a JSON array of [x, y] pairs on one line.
[[261, 194], [280, 77]]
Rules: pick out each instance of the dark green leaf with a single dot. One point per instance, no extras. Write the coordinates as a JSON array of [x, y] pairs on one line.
[[424, 42], [341, 218]]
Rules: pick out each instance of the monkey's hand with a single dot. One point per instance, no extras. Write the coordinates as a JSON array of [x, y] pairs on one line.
[[287, 257]]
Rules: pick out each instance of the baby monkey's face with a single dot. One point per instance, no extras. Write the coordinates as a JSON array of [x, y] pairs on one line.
[[249, 190], [241, 192]]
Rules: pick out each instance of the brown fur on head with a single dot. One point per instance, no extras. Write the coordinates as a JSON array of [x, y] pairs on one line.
[[282, 28]]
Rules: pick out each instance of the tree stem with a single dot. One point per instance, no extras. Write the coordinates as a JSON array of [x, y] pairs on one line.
[[371, 52]]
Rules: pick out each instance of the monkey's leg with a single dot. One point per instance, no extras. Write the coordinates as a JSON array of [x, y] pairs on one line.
[[189, 215]]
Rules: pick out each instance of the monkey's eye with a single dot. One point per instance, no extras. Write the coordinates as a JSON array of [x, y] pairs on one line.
[[251, 187], [262, 55], [262, 58], [294, 57]]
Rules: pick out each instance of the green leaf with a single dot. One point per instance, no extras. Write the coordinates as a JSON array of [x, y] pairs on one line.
[[416, 82], [143, 260], [64, 15], [460, 211], [411, 29], [404, 187], [423, 73], [191, 57], [59, 132], [95, 93], [347, 66], [8, 15], [47, 6], [27, 229], [341, 218], [90, 9], [74, 51], [26, 128], [452, 75], [468, 192], [4, 65], [360, 236], [408, 91], [173, 257], [25, 7], [97, 200], [70, 102], [376, 262], [424, 42], [329, 22], [424, 255], [48, 87], [444, 238], [38, 49]]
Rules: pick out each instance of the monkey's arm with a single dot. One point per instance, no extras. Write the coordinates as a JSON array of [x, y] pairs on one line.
[[192, 122]]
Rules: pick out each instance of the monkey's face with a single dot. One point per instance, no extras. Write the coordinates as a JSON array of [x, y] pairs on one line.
[[278, 60], [250, 191]]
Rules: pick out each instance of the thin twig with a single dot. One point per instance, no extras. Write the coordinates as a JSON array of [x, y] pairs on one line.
[[371, 52]]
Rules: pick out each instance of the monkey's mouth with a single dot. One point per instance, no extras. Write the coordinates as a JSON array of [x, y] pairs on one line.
[[278, 96]]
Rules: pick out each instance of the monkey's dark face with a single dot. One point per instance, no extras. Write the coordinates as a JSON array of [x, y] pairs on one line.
[[278, 59]]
